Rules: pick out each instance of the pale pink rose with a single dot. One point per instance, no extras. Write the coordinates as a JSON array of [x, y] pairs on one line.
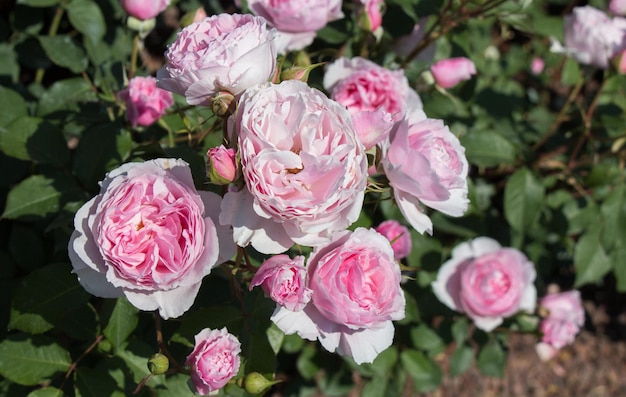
[[149, 235], [426, 164], [356, 296], [222, 165], [537, 65], [398, 235], [372, 11], [374, 95], [144, 9], [303, 166], [220, 53], [617, 7], [450, 72], [214, 360], [591, 37], [284, 280], [199, 15], [565, 318], [487, 282], [145, 103], [297, 21]]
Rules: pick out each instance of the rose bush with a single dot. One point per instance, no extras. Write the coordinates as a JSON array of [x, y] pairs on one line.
[[145, 103], [149, 235]]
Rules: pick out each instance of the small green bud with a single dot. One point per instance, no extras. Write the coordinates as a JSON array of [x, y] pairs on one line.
[[143, 26], [255, 383], [158, 364]]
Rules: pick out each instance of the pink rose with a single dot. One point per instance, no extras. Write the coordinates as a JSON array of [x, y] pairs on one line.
[[563, 322], [297, 21], [374, 95], [450, 72], [200, 15], [356, 296], [303, 166], [537, 65], [486, 282], [221, 53], [426, 164], [149, 235], [617, 7], [398, 235], [145, 103], [214, 360], [621, 62], [591, 37], [222, 165], [284, 280], [144, 9], [372, 11]]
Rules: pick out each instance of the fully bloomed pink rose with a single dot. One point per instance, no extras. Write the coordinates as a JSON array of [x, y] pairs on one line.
[[592, 37], [144, 9], [563, 322], [284, 280], [220, 53], [450, 72], [398, 235], [214, 360], [374, 95], [356, 296], [426, 164], [487, 282], [145, 103], [297, 21], [304, 168], [149, 235]]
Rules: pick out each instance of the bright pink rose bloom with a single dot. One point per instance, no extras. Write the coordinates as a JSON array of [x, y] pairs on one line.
[[591, 37], [426, 164], [284, 280], [221, 53], [144, 9], [537, 65], [149, 235], [356, 296], [374, 95], [214, 360], [486, 282], [450, 72], [145, 103], [304, 168], [617, 7], [565, 318], [398, 235], [222, 165], [297, 21]]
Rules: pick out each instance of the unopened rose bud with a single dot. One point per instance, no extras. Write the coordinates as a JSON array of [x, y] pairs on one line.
[[298, 72], [222, 165], [222, 103], [255, 383], [371, 18], [158, 364], [143, 26]]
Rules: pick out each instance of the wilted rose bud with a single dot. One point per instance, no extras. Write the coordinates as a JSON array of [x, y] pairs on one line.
[[221, 103], [158, 364], [255, 383], [222, 165]]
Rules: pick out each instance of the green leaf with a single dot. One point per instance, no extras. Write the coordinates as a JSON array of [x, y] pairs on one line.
[[488, 148], [461, 360], [214, 317], [275, 337], [65, 95], [13, 106], [590, 260], [523, 197], [492, 359], [460, 330], [614, 215], [376, 387], [32, 138], [45, 297], [63, 51], [38, 3], [95, 383], [46, 392], [426, 339], [87, 18], [30, 361], [27, 247], [38, 196], [424, 371], [121, 322]]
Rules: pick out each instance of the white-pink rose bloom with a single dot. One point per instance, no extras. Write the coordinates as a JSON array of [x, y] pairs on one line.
[[426, 164], [220, 53], [214, 360], [487, 282], [592, 37], [303, 165], [149, 235], [617, 7], [284, 280], [450, 72], [375, 96], [297, 21], [356, 296], [563, 322], [144, 9]]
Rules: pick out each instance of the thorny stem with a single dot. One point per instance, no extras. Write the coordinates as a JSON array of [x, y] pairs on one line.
[[75, 363], [133, 56], [162, 345]]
